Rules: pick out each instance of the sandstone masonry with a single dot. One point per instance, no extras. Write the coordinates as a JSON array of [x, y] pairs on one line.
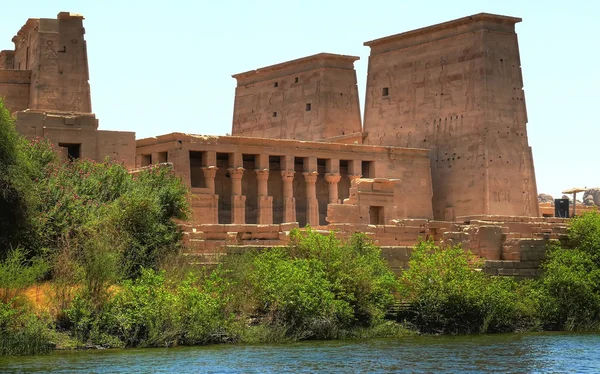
[[443, 153], [44, 81]]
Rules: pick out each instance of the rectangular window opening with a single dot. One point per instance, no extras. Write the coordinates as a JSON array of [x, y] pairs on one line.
[[308, 106], [222, 160], [276, 84], [376, 215], [274, 114], [73, 150], [296, 80], [146, 160], [367, 169], [275, 163], [385, 91], [196, 172], [163, 157]]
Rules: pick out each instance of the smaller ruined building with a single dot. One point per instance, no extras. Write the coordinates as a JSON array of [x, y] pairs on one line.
[[44, 81]]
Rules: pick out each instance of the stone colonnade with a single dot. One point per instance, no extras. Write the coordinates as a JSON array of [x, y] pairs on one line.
[[265, 197]]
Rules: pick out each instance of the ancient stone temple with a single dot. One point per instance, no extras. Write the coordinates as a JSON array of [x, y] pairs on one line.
[[312, 98], [44, 81], [442, 151], [456, 89], [264, 181]]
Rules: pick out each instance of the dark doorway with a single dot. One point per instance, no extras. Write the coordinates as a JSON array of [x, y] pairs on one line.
[[73, 150], [376, 215], [196, 173]]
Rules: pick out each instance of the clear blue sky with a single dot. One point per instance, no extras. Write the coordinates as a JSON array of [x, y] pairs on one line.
[[161, 67]]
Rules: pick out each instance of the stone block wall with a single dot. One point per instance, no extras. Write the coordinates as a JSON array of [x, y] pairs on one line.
[[54, 52], [456, 88], [517, 251], [265, 181], [14, 89], [311, 98], [80, 132]]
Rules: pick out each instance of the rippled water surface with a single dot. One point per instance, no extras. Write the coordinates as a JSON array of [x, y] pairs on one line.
[[528, 353]]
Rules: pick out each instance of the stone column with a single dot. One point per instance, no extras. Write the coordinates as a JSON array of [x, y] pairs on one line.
[[154, 158], [333, 180], [289, 202], [210, 205], [312, 205], [353, 178], [238, 201], [265, 202], [209, 177]]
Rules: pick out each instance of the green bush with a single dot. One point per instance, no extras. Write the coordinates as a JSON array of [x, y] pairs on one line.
[[22, 332], [572, 280], [355, 268], [17, 198], [83, 197], [584, 234], [448, 294], [150, 311], [317, 287], [295, 294]]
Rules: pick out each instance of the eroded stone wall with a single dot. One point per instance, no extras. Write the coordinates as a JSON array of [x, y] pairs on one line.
[[509, 246], [55, 52], [80, 132], [311, 98], [456, 89], [14, 89], [265, 181]]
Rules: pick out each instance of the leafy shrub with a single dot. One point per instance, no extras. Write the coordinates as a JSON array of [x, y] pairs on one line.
[[584, 234], [449, 295], [357, 272], [22, 332], [83, 197], [572, 280], [317, 287], [16, 188], [295, 294], [150, 311]]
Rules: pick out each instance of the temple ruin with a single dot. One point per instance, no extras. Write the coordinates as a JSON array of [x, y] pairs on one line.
[[44, 81], [442, 151]]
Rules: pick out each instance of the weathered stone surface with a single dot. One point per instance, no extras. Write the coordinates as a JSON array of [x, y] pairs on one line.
[[45, 83], [311, 98], [400, 187], [456, 88]]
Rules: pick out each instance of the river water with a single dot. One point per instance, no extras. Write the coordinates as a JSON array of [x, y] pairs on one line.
[[514, 353]]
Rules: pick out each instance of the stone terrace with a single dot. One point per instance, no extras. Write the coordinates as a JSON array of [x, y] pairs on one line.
[[510, 245]]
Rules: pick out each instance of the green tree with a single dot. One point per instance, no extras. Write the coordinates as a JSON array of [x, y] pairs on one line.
[[584, 234], [572, 281], [15, 186]]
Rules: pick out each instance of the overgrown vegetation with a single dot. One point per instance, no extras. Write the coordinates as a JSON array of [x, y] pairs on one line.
[[316, 288], [104, 243], [447, 294]]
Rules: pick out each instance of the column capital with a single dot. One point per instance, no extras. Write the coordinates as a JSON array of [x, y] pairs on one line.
[[310, 176], [332, 178], [236, 173], [262, 174], [209, 171], [287, 175], [353, 177]]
